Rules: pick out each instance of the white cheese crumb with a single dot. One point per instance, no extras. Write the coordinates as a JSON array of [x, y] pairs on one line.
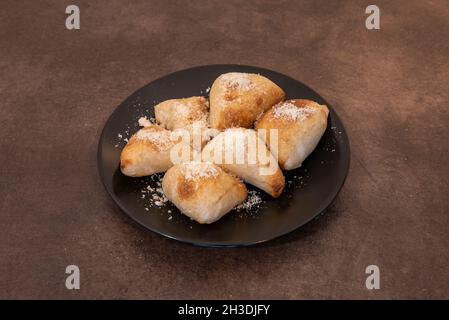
[[199, 170], [290, 111], [161, 139], [237, 80], [144, 122], [252, 201], [155, 197]]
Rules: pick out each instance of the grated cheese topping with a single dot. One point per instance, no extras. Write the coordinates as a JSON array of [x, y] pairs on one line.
[[161, 139], [289, 111], [237, 80], [195, 170]]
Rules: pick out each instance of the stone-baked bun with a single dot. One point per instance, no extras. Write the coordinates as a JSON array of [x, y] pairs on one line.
[[189, 114], [180, 113], [150, 150], [203, 191], [300, 124], [238, 99], [241, 152]]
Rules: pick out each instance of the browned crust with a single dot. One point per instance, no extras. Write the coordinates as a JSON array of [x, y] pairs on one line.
[[243, 108], [277, 184], [125, 163], [268, 121], [185, 188], [199, 109]]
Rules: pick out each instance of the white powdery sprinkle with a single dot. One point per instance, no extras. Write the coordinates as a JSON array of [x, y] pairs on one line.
[[199, 170], [252, 201], [290, 111], [155, 197], [122, 136], [189, 110], [237, 80], [144, 122], [161, 139]]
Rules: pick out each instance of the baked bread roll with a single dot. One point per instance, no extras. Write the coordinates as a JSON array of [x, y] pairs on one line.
[[300, 124], [241, 152], [186, 116], [152, 150], [238, 99], [180, 113], [202, 191]]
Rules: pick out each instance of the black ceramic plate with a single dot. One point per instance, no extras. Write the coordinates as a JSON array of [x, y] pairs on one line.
[[308, 192]]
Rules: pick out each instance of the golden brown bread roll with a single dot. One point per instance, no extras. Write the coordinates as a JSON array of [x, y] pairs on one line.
[[300, 124], [202, 191], [238, 99], [189, 114], [179, 113], [241, 152], [150, 150]]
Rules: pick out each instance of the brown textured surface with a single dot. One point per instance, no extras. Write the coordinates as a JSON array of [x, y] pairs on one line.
[[57, 88]]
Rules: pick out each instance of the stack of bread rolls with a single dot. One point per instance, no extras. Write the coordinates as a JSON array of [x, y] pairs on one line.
[[244, 132]]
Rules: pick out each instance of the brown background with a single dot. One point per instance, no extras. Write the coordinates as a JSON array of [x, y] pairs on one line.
[[58, 87]]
